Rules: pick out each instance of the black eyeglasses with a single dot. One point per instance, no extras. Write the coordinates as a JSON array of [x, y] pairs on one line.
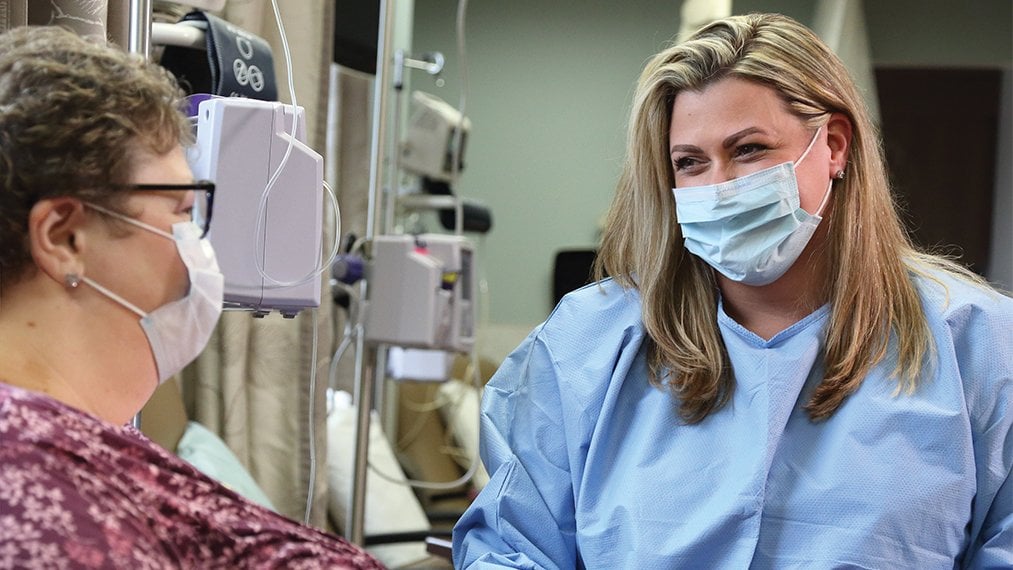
[[203, 194]]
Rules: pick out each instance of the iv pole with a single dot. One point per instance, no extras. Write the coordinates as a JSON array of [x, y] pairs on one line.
[[370, 359], [139, 31], [366, 356]]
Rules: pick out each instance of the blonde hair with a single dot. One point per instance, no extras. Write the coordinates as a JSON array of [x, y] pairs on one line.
[[870, 256]]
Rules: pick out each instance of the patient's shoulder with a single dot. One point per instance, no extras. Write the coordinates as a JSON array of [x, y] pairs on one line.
[[58, 508]]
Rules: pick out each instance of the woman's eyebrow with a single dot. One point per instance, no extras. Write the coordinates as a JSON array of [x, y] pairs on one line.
[[734, 138], [685, 148], [727, 143]]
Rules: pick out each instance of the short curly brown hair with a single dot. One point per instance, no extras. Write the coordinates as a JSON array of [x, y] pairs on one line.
[[73, 114]]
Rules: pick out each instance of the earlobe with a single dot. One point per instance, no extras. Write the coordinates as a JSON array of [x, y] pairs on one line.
[[56, 237], [839, 131]]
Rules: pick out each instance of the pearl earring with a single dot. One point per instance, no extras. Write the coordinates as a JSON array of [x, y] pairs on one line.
[[72, 280]]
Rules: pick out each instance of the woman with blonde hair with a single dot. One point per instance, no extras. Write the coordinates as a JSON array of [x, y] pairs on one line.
[[773, 376]]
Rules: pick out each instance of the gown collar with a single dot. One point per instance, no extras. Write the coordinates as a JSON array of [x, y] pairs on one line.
[[728, 323]]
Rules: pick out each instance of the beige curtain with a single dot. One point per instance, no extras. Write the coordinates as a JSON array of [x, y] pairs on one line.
[[86, 18]]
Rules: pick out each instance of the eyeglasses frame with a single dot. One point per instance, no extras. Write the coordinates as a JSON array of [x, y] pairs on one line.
[[197, 186]]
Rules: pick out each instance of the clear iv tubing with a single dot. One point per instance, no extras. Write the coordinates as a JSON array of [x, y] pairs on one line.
[[312, 275], [472, 469], [310, 494], [350, 332], [324, 266]]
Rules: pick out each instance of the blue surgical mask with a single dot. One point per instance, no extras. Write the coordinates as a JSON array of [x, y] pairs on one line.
[[751, 229]]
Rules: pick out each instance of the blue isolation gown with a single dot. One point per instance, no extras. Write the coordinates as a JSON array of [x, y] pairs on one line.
[[592, 469]]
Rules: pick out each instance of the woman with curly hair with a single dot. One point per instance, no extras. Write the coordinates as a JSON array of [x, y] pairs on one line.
[[107, 288]]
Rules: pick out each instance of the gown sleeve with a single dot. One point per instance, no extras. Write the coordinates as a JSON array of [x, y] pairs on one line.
[[994, 548], [524, 517], [992, 518], [983, 345]]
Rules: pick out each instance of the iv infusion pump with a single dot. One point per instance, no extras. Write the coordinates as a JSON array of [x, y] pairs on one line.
[[421, 292], [239, 146]]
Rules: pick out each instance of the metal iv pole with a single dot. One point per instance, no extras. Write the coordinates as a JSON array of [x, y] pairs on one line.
[[366, 356], [139, 31]]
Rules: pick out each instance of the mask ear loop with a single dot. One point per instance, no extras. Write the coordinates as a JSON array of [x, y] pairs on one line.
[[126, 304], [810, 147], [826, 198], [826, 195], [115, 297], [130, 220]]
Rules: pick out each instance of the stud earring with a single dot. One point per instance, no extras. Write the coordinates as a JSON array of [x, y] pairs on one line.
[[72, 280], [840, 175]]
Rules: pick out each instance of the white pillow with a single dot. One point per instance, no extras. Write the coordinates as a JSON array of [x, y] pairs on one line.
[[390, 507], [461, 419]]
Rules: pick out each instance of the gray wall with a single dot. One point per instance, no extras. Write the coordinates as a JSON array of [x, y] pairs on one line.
[[941, 32], [550, 84], [549, 93]]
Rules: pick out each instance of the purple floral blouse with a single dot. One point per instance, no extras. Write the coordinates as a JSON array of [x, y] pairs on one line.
[[77, 492]]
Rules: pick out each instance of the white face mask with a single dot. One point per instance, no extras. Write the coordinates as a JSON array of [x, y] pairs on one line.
[[179, 330]]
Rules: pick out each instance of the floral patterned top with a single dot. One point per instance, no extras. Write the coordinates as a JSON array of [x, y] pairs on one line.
[[78, 492]]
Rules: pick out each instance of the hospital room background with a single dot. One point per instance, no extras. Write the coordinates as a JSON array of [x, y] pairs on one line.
[[509, 217]]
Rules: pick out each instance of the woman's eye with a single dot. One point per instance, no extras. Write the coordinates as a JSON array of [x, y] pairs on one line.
[[749, 149], [684, 163]]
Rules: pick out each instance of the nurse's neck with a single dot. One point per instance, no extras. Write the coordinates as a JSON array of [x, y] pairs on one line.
[[770, 309]]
